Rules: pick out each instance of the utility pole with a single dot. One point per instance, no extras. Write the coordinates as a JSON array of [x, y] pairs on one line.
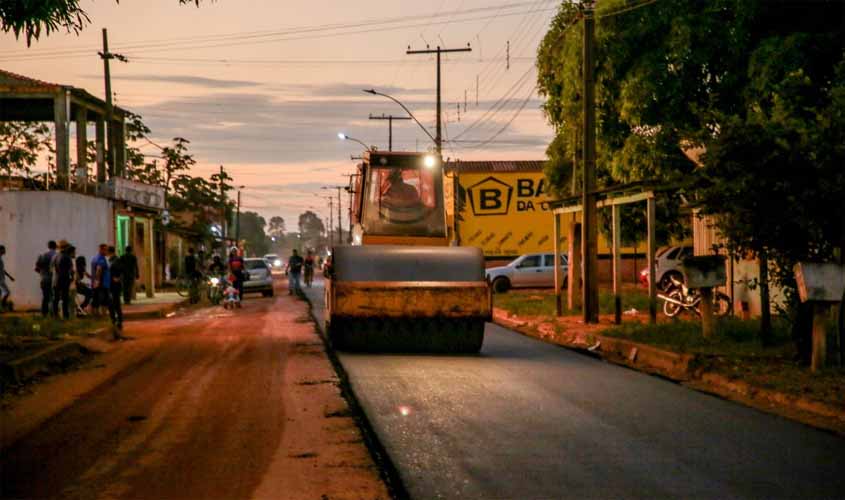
[[508, 56], [238, 221], [589, 233], [225, 228], [106, 56], [339, 205], [438, 138], [331, 220], [389, 119]]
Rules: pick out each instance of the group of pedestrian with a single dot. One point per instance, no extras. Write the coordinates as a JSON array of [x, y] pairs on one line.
[[296, 265], [108, 282]]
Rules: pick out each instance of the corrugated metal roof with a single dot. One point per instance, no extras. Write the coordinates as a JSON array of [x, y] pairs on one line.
[[496, 166]]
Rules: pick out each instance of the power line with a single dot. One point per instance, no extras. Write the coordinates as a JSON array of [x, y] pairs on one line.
[[306, 33], [625, 9]]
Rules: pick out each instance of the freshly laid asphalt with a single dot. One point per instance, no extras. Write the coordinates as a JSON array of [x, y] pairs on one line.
[[529, 420]]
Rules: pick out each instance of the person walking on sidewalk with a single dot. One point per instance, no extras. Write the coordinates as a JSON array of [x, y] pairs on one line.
[[115, 309], [4, 289], [100, 279], [294, 271], [42, 267], [129, 266], [62, 278]]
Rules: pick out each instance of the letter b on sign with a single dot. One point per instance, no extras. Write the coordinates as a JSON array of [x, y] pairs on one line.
[[491, 199]]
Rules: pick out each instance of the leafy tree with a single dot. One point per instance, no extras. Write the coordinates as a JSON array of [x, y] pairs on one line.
[[311, 229], [21, 143], [252, 231], [277, 227], [756, 83], [34, 17]]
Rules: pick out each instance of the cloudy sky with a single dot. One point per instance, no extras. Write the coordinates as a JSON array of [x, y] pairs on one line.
[[264, 86]]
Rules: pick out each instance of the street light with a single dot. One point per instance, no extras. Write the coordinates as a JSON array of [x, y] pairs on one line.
[[344, 137], [375, 92]]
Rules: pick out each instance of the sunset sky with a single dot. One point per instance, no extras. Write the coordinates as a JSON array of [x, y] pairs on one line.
[[264, 86]]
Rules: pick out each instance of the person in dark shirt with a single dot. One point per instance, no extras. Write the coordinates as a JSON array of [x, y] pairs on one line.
[[295, 263], [192, 273], [82, 287], [4, 289], [63, 276], [44, 270], [129, 264], [216, 268], [236, 267], [115, 290]]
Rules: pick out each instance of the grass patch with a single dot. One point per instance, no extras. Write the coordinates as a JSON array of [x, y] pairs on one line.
[[532, 302], [733, 336], [48, 328]]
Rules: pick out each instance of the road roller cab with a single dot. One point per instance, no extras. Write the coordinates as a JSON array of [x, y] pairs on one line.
[[399, 287]]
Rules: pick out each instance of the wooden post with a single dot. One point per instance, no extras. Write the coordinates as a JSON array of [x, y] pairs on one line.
[[651, 247], [60, 120], [820, 318], [573, 289], [617, 263], [707, 312], [558, 270], [101, 149]]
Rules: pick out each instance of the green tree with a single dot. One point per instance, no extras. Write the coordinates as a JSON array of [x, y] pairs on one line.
[[34, 18], [252, 232], [311, 229], [756, 83], [21, 144], [276, 228]]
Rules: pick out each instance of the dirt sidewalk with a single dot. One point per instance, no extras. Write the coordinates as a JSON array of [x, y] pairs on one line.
[[209, 403]]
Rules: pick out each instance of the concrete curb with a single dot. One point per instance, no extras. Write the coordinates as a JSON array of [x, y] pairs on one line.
[[23, 369], [686, 369], [155, 313]]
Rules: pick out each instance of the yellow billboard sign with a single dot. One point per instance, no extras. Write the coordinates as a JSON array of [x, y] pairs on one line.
[[505, 214]]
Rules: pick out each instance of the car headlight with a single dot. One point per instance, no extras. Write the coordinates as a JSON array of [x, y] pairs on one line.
[[277, 263]]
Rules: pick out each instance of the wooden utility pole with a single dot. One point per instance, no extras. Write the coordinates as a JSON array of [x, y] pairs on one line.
[[438, 138], [589, 229], [113, 140], [389, 119]]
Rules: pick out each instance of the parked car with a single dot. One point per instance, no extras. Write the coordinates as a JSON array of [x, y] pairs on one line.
[[669, 261], [273, 261], [530, 270], [259, 278]]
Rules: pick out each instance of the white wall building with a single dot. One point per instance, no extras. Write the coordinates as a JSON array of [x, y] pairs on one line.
[[29, 219]]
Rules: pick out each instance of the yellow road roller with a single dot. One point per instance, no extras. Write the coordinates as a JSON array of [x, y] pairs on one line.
[[400, 287]]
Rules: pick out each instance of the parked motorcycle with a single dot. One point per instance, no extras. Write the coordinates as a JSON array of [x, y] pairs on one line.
[[215, 288], [678, 298]]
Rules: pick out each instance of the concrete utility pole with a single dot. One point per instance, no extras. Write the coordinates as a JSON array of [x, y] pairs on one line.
[[589, 233], [339, 218], [331, 220], [389, 119], [225, 228], [438, 138]]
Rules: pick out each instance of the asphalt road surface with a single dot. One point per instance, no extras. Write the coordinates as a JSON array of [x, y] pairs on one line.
[[526, 419]]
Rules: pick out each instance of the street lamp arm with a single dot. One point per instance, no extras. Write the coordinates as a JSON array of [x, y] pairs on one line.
[[366, 148], [375, 92]]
